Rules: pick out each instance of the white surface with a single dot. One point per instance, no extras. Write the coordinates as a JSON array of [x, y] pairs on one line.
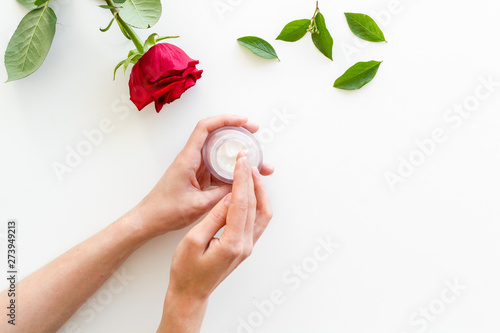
[[396, 248]]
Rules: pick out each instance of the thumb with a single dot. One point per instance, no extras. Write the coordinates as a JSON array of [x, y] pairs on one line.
[[213, 222]]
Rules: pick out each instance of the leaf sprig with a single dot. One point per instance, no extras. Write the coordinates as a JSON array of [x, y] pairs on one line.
[[31, 42], [293, 32], [361, 25], [320, 35]]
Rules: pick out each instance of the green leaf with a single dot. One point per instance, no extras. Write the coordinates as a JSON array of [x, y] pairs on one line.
[[141, 14], [364, 27], [116, 68], [165, 37], [322, 38], [30, 43], [294, 30], [259, 47], [150, 41], [118, 1], [109, 7], [153, 39], [109, 25], [358, 75], [30, 4], [40, 2], [133, 57]]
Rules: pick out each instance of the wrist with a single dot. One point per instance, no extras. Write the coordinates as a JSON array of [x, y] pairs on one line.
[[138, 223], [182, 313], [184, 298], [156, 215]]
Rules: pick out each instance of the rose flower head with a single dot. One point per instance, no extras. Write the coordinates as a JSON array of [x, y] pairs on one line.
[[162, 75]]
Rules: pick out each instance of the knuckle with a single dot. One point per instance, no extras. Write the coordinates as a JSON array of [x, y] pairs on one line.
[[268, 214], [252, 202], [200, 203], [218, 215], [247, 251], [234, 251], [201, 124], [242, 207], [225, 116], [258, 229], [194, 242], [181, 158]]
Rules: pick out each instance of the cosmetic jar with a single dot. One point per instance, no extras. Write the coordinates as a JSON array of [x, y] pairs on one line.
[[222, 147]]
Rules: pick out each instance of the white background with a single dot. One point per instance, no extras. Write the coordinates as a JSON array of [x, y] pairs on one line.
[[397, 248]]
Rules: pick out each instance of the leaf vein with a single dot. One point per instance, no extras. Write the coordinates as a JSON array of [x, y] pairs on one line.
[[34, 31]]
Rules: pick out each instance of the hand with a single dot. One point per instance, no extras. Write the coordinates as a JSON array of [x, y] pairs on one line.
[[181, 195], [201, 261]]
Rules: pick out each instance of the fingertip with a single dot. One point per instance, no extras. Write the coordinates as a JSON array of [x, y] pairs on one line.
[[227, 200], [216, 194], [242, 154], [251, 126], [242, 161], [239, 120], [267, 169]]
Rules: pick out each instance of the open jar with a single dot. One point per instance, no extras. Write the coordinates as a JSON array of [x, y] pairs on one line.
[[222, 147]]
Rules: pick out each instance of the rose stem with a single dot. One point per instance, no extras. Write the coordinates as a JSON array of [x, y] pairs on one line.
[[136, 39]]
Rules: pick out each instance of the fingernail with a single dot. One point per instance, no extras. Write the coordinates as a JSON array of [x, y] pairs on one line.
[[256, 172], [244, 163], [227, 201], [242, 158], [242, 154]]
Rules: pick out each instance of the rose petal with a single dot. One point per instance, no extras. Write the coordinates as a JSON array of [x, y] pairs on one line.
[[164, 60], [162, 75]]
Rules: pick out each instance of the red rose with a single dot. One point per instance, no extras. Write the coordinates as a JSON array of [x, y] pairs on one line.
[[162, 75]]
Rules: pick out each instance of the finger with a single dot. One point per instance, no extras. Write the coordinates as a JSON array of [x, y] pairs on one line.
[[251, 126], [267, 169], [264, 210], [205, 231], [215, 182], [203, 177], [208, 125], [250, 223], [206, 179], [214, 195], [238, 209]]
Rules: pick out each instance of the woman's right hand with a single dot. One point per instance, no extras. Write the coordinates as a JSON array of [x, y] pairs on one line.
[[201, 261]]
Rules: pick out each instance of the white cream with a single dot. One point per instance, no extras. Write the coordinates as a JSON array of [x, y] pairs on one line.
[[227, 153], [221, 149]]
